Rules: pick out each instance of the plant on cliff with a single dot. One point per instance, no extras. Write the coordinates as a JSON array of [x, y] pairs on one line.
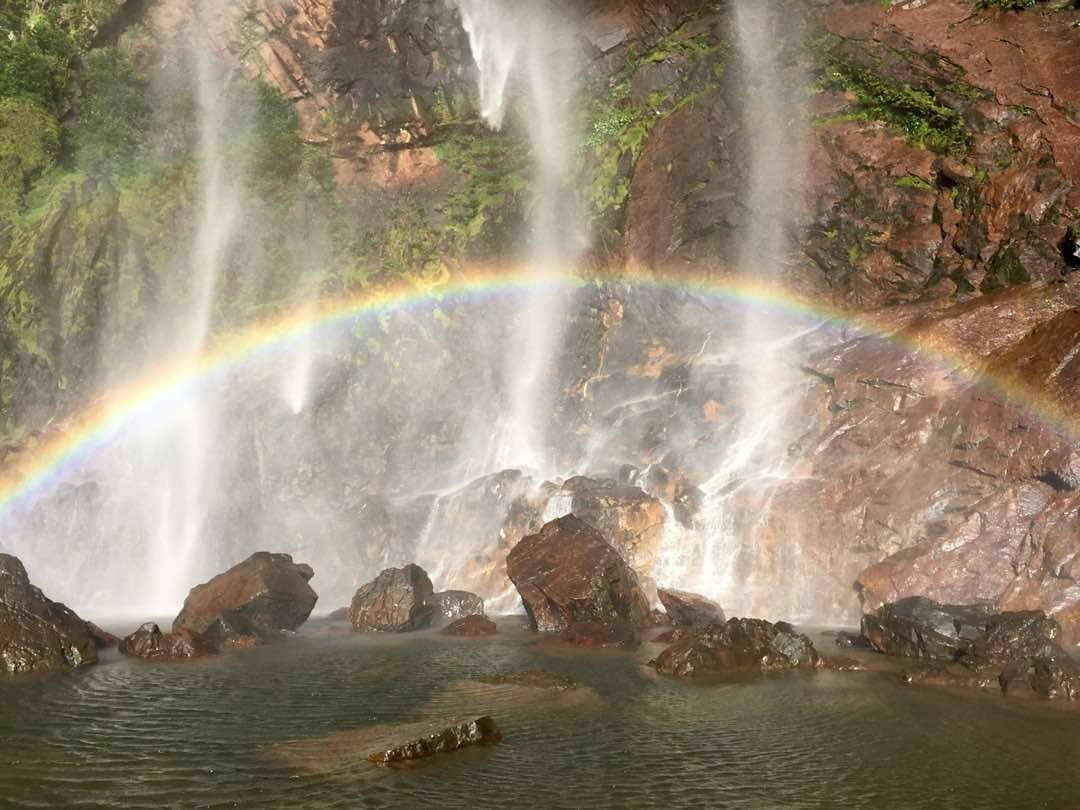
[[114, 113], [29, 143]]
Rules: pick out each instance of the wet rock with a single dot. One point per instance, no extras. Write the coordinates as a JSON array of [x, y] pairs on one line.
[[419, 743], [851, 641], [37, 634], [1012, 636], [1070, 246], [1055, 677], [103, 639], [738, 646], [950, 675], [567, 574], [687, 609], [457, 604], [842, 664], [149, 643], [671, 636], [475, 625], [396, 601], [920, 628], [259, 600], [598, 634], [533, 679]]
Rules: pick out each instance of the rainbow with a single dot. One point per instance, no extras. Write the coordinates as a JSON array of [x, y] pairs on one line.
[[33, 469]]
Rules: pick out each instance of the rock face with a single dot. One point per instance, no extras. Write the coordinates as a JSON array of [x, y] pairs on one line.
[[457, 604], [37, 634], [738, 646], [396, 601], [687, 609], [471, 626], [256, 601], [973, 646], [919, 628], [149, 643], [428, 743], [567, 574]]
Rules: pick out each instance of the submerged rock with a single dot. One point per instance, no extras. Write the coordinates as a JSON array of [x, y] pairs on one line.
[[917, 627], [420, 742], [685, 609], [738, 646], [254, 602], [37, 634], [568, 575], [471, 626], [457, 604], [396, 601], [149, 643], [533, 679]]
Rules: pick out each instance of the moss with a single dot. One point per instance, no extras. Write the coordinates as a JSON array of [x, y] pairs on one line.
[[1004, 269], [911, 181], [920, 116], [29, 144]]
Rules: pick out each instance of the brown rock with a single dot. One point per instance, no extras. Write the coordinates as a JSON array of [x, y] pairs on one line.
[[37, 634], [475, 625], [149, 643], [396, 601], [457, 604], [567, 574], [738, 646], [920, 628], [687, 609], [420, 742], [256, 601]]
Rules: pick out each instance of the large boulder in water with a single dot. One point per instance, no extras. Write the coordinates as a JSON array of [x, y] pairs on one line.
[[471, 626], [918, 627], [686, 609], [149, 643], [568, 575], [396, 601], [257, 601], [37, 634], [738, 646], [453, 605]]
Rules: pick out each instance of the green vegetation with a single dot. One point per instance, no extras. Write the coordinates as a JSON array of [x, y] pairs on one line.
[[923, 119], [1004, 269]]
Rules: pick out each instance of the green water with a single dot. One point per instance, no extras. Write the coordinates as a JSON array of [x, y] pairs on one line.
[[209, 734]]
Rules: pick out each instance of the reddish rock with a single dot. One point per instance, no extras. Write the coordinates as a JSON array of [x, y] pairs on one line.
[[457, 604], [396, 601], [256, 601], [687, 609], [149, 643], [738, 646], [568, 574], [475, 625], [37, 634], [598, 634], [671, 636]]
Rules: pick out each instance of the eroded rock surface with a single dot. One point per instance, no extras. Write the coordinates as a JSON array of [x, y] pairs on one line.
[[568, 575], [738, 646], [686, 609], [396, 601], [457, 604], [37, 634], [149, 643], [258, 600], [422, 741]]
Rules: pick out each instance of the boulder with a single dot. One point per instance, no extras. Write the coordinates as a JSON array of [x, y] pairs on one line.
[[568, 574], [685, 609], [37, 634], [149, 643], [254, 602], [396, 601], [1013, 636], [738, 646], [599, 634], [475, 625], [917, 627], [457, 604], [418, 742]]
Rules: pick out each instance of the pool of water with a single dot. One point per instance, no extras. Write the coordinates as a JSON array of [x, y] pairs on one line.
[[257, 728]]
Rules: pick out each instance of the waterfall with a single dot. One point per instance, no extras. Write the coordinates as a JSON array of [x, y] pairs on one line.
[[527, 46]]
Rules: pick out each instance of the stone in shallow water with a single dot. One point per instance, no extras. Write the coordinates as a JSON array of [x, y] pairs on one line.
[[149, 643], [37, 634], [258, 600], [471, 626], [457, 604], [396, 601], [427, 742], [686, 609], [918, 627], [738, 646], [533, 679]]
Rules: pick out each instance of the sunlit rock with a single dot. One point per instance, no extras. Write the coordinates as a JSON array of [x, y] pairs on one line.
[[457, 604], [568, 575], [920, 628], [148, 642], [256, 601], [417, 742], [686, 609], [738, 646], [475, 625], [397, 600], [36, 633]]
